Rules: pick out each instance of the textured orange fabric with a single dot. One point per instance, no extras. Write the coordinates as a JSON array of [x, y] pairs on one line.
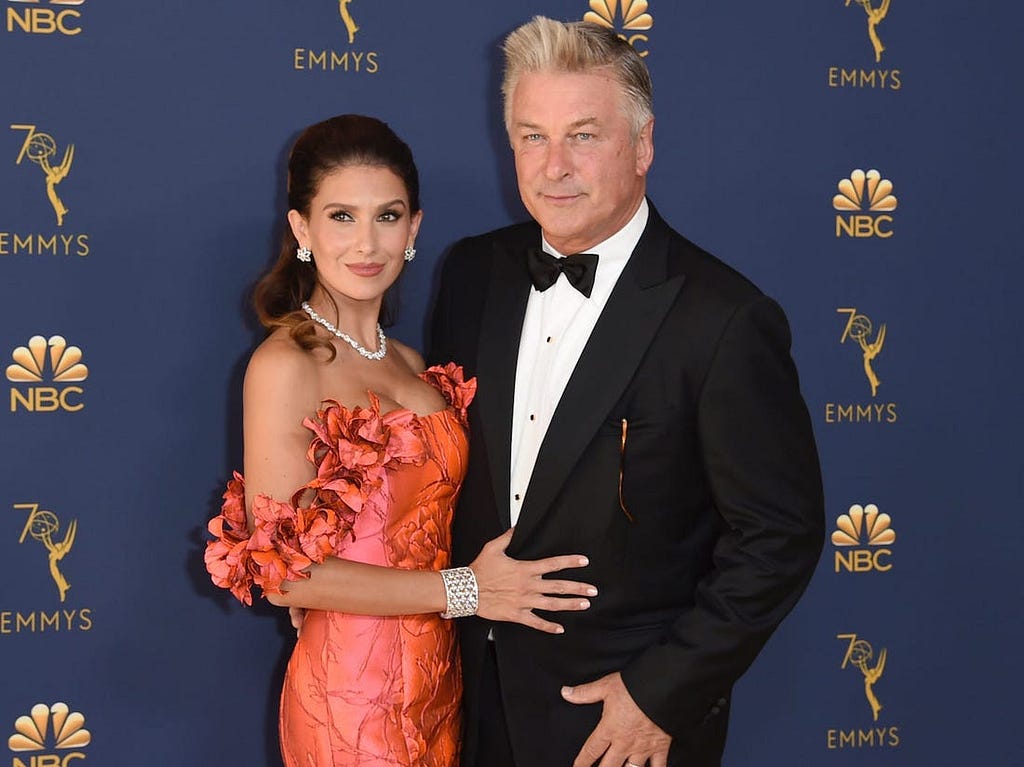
[[364, 690]]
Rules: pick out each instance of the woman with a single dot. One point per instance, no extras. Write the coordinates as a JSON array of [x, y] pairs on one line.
[[354, 456]]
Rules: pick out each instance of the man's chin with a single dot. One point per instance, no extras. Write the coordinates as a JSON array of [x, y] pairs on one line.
[[558, 222]]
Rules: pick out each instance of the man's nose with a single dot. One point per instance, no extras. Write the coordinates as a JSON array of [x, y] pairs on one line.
[[557, 162]]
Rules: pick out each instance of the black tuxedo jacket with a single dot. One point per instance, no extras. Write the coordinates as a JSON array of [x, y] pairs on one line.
[[702, 530]]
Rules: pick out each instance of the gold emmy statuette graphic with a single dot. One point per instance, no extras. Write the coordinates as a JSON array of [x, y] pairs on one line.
[[860, 654], [634, 14], [30, 732], [39, 148], [42, 525], [875, 16], [859, 329], [346, 16]]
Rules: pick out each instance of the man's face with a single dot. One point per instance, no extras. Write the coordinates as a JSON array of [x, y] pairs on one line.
[[580, 175]]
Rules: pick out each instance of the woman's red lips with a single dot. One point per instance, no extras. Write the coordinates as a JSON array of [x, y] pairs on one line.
[[366, 269]]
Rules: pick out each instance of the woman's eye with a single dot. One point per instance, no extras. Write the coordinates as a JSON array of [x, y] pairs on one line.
[[389, 215], [341, 215]]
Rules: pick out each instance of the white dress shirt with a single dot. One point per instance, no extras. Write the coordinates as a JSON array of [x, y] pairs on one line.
[[557, 326]]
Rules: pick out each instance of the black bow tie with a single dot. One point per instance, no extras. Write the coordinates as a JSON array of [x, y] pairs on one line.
[[579, 269]]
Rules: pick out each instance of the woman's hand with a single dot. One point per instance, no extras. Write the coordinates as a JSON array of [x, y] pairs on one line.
[[297, 615], [511, 589]]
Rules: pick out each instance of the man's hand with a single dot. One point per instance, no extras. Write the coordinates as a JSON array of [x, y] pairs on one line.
[[624, 734]]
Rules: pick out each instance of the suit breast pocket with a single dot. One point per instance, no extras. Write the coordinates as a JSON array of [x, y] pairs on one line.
[[656, 455], [624, 432]]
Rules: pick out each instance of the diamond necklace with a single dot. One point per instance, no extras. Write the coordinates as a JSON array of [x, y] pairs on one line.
[[382, 341]]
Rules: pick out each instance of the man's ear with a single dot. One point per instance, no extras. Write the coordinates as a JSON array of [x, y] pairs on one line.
[[645, 148]]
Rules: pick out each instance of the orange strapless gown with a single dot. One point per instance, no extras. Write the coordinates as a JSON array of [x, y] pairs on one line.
[[363, 690]]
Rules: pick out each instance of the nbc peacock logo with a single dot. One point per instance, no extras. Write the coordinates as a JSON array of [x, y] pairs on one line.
[[43, 360], [866, 198], [48, 729], [862, 539], [45, 17], [633, 20]]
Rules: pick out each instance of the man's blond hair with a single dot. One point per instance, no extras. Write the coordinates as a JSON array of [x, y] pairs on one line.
[[546, 45]]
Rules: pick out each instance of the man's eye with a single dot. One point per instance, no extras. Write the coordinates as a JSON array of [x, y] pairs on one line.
[[584, 136]]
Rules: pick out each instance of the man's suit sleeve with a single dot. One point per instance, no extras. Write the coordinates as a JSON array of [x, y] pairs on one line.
[[761, 461]]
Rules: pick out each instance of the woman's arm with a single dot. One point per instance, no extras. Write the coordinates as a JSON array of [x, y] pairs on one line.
[[361, 589], [510, 589], [281, 389]]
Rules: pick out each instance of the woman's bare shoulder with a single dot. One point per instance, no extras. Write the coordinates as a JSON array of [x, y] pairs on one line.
[[281, 366]]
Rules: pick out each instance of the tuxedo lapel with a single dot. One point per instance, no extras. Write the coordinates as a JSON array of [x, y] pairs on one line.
[[501, 325], [627, 325]]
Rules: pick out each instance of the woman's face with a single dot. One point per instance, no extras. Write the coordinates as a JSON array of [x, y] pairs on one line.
[[358, 228]]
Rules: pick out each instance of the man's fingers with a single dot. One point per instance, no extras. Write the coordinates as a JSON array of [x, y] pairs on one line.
[[592, 749], [616, 757], [624, 733], [592, 692]]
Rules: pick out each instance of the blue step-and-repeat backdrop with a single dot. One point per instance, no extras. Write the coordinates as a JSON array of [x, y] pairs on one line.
[[859, 159]]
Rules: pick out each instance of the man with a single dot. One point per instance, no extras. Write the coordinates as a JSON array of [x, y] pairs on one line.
[[648, 416]]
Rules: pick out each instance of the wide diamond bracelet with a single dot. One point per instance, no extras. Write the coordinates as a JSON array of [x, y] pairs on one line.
[[460, 592]]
